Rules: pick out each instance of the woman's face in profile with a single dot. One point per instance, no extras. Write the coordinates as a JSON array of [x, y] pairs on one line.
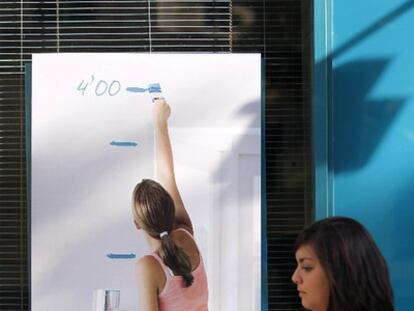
[[311, 280]]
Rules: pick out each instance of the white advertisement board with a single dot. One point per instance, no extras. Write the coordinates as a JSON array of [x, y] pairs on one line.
[[92, 141]]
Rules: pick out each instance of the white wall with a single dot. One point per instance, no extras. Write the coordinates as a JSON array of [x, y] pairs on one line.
[[81, 185]]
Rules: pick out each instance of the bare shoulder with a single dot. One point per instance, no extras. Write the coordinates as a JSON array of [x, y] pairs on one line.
[[149, 272], [147, 265]]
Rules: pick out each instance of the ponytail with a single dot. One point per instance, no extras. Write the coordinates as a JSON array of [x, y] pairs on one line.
[[153, 208], [175, 259]]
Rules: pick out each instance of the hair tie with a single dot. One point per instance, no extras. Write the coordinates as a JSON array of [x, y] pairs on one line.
[[163, 233]]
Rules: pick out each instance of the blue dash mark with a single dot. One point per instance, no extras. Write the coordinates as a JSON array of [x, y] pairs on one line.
[[136, 89], [121, 256], [123, 144]]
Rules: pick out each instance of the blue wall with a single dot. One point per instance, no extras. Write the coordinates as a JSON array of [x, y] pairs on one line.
[[364, 124]]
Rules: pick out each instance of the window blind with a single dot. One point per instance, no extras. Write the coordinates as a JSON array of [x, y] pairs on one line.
[[279, 29]]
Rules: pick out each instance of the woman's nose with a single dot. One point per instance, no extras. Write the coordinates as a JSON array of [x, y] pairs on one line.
[[296, 277]]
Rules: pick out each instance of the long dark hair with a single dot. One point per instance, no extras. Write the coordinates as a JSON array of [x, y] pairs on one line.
[[356, 270], [153, 208]]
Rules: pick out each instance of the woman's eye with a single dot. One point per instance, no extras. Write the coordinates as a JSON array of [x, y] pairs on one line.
[[307, 269]]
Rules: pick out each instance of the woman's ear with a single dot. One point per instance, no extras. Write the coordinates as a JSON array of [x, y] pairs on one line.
[[137, 225]]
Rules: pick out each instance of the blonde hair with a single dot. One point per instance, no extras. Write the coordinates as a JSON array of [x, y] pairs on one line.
[[153, 208]]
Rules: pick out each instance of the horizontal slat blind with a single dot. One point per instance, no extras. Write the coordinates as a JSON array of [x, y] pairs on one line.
[[279, 29], [13, 211]]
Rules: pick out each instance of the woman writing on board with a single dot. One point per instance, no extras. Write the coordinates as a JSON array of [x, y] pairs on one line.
[[172, 277], [340, 268]]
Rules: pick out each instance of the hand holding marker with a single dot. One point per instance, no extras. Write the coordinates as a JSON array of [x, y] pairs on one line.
[[155, 91], [153, 88]]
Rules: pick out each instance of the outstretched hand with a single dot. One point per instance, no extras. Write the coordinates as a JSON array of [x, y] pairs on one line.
[[161, 111]]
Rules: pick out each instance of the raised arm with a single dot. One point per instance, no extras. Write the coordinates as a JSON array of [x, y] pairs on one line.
[[165, 163]]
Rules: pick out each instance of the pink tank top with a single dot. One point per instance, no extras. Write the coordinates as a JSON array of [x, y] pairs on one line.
[[175, 296]]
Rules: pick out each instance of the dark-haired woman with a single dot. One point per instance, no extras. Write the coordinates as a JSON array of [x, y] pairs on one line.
[[172, 277], [340, 268]]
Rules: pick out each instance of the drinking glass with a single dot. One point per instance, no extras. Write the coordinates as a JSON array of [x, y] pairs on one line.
[[106, 299]]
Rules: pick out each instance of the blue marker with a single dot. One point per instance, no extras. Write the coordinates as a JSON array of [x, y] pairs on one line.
[[121, 256], [123, 144], [155, 91]]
